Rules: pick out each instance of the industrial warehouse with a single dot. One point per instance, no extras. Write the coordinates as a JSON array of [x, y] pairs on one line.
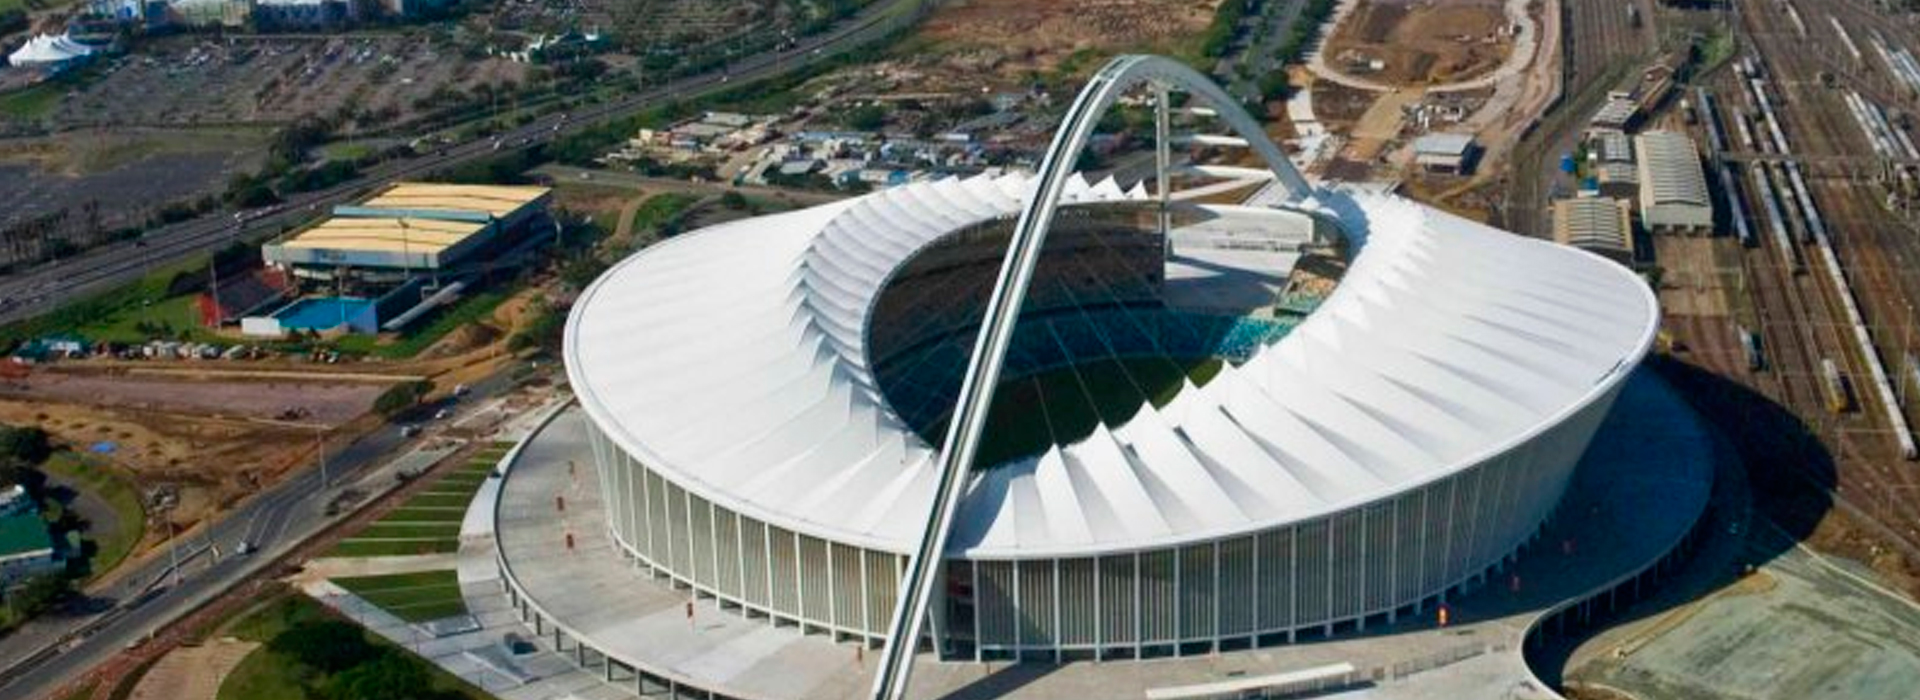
[[383, 263], [764, 403]]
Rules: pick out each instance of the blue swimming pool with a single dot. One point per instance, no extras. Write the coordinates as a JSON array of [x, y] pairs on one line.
[[323, 313]]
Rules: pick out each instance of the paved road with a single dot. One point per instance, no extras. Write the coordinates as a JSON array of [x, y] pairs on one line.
[[50, 286], [56, 649]]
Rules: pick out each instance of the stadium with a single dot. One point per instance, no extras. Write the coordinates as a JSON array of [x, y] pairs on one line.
[[1216, 426]]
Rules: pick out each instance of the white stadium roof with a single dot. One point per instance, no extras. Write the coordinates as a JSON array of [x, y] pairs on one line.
[[733, 359]]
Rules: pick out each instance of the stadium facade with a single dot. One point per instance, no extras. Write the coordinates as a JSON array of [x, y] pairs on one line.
[[759, 392]]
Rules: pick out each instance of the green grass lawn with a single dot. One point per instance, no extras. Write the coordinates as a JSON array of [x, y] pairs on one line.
[[429, 522], [467, 479], [441, 500], [111, 545], [1063, 405], [393, 548], [389, 529], [33, 102], [266, 675], [404, 514], [342, 150], [113, 314], [414, 597]]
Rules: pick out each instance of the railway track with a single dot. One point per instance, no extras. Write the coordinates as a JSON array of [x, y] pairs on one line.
[[1878, 253]]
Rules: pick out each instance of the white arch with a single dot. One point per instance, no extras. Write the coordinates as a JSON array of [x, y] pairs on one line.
[[1003, 310]]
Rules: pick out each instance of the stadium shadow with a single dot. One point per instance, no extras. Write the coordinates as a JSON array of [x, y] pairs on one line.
[[1002, 681], [1771, 468]]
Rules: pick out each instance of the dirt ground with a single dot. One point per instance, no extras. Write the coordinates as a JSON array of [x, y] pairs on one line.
[[209, 441], [1422, 42], [328, 404], [210, 462], [1037, 36]]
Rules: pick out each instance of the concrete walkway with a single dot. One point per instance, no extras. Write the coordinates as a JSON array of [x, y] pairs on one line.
[[193, 673], [347, 567], [1641, 486]]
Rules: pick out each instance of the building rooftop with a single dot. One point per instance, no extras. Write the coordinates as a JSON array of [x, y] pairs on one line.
[[1670, 171], [24, 532], [396, 235], [1617, 112], [1614, 147], [493, 200], [1601, 224], [1455, 145]]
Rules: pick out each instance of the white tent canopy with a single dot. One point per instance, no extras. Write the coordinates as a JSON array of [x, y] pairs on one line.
[[49, 49]]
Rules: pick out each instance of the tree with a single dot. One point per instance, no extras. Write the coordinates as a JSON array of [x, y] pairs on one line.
[[866, 118], [389, 677], [401, 397], [1275, 86], [328, 646], [36, 595], [24, 445]]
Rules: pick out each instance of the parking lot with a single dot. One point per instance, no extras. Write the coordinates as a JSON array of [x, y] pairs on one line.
[[195, 81]]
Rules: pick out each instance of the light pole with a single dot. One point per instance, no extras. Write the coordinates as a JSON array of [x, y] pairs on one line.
[[320, 450]]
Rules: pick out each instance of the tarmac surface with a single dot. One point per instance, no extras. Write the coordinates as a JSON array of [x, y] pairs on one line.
[[1640, 488], [1800, 626]]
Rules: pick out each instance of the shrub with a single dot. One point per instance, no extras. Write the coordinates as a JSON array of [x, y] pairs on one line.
[[328, 646]]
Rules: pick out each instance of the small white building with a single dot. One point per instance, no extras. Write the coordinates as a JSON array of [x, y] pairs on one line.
[[1445, 153]]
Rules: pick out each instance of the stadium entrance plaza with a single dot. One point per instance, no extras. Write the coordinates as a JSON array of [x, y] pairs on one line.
[[1638, 492]]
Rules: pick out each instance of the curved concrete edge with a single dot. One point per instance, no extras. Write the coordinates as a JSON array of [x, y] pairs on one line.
[[481, 511], [1660, 551], [1632, 585], [541, 618]]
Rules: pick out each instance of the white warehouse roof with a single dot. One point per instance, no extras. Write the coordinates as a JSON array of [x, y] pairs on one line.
[[1670, 171], [733, 360]]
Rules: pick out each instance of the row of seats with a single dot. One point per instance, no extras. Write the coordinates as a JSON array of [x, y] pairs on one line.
[[921, 384]]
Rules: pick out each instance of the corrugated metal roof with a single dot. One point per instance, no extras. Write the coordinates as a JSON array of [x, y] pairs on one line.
[[408, 235], [1670, 171], [494, 200], [1594, 223], [1454, 145]]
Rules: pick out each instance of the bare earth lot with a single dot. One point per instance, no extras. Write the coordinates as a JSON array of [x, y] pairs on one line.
[[1038, 35], [1422, 42], [305, 402], [211, 442]]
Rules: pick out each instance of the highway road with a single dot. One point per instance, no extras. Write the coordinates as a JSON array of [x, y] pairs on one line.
[[57, 648], [49, 286]]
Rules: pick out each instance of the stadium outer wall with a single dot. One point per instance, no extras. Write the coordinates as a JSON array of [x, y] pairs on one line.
[[1366, 564]]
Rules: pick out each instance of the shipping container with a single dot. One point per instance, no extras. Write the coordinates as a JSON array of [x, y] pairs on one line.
[[1839, 395]]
